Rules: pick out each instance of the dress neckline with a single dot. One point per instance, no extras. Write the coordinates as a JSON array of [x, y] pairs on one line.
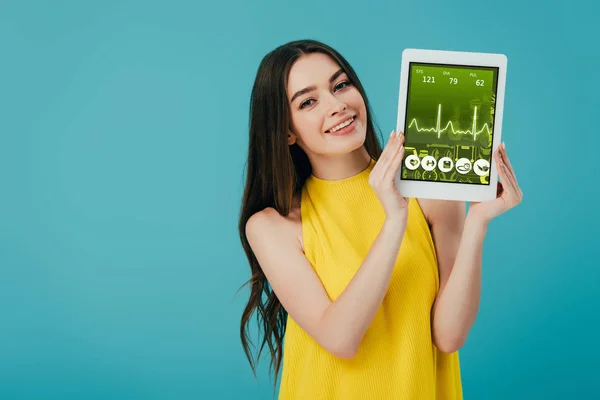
[[359, 176]]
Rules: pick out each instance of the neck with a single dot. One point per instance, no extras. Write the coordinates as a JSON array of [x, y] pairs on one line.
[[340, 166]]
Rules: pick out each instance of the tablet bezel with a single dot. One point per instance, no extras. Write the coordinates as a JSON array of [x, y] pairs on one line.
[[451, 190]]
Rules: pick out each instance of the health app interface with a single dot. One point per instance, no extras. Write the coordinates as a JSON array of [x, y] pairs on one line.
[[449, 123]]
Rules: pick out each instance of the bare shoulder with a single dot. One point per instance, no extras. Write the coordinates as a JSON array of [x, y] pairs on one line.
[[437, 210], [273, 238], [269, 223]]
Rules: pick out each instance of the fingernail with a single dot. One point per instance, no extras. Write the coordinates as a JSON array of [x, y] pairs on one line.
[[398, 134], [392, 133]]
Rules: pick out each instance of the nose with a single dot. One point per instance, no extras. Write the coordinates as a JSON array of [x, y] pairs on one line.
[[336, 105]]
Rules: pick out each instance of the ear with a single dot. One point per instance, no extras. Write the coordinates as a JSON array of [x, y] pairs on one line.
[[291, 138]]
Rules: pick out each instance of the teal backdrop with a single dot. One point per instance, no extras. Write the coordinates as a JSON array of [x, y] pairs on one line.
[[123, 138]]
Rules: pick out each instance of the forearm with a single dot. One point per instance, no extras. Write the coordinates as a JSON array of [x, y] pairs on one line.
[[457, 303], [347, 319]]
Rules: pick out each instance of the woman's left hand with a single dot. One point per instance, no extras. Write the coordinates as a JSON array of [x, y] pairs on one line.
[[508, 194]]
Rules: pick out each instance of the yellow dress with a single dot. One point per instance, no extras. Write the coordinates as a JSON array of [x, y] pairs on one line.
[[397, 358]]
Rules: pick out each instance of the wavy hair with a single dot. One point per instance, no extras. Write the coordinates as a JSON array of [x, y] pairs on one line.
[[275, 174]]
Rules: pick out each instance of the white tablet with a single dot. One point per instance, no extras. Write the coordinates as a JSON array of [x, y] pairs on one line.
[[450, 110]]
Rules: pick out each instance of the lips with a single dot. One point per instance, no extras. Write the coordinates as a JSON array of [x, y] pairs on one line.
[[345, 130], [342, 121]]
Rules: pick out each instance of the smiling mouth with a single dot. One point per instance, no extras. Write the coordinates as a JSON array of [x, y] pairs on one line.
[[353, 120]]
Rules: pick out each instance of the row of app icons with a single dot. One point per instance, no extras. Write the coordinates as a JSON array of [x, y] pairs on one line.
[[445, 164]]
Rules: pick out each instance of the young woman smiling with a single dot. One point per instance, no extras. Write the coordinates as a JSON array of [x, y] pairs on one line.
[[373, 292]]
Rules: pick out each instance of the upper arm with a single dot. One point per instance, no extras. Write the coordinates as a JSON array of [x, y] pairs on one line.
[[288, 271], [446, 220]]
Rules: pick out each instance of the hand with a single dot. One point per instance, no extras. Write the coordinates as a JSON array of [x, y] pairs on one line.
[[382, 177], [508, 193]]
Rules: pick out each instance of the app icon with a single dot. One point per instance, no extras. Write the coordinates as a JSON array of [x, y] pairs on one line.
[[463, 166], [481, 167], [445, 164], [428, 163], [412, 162]]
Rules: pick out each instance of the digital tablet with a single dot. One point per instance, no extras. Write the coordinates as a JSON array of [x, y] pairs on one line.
[[450, 110]]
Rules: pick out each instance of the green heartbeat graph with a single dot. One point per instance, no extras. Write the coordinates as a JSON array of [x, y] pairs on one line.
[[449, 124]]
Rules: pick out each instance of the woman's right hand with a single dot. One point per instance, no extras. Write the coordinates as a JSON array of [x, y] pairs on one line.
[[382, 177]]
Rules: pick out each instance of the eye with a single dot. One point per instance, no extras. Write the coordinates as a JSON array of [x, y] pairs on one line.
[[342, 83], [305, 104], [338, 86]]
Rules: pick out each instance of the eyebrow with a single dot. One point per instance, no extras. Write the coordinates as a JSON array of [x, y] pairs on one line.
[[311, 88]]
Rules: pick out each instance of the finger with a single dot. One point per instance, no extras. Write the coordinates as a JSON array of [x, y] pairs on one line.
[[508, 184], [510, 175], [394, 165], [388, 153], [505, 197], [507, 162], [384, 154]]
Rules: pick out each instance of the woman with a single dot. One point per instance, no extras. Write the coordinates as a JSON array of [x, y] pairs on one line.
[[374, 292]]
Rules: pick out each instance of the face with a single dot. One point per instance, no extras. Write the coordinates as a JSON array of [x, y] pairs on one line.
[[318, 114]]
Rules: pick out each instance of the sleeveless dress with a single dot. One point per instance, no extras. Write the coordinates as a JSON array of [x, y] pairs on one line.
[[397, 358]]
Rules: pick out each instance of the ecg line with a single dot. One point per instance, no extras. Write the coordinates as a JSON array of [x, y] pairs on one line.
[[449, 124]]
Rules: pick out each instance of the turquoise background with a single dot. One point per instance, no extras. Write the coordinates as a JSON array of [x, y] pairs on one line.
[[123, 137]]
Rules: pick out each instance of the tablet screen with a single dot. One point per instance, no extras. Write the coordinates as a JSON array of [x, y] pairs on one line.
[[449, 123]]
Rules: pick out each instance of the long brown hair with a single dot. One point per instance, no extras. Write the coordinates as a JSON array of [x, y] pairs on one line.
[[275, 175]]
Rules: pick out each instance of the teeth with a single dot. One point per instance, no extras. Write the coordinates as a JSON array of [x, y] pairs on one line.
[[343, 124]]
